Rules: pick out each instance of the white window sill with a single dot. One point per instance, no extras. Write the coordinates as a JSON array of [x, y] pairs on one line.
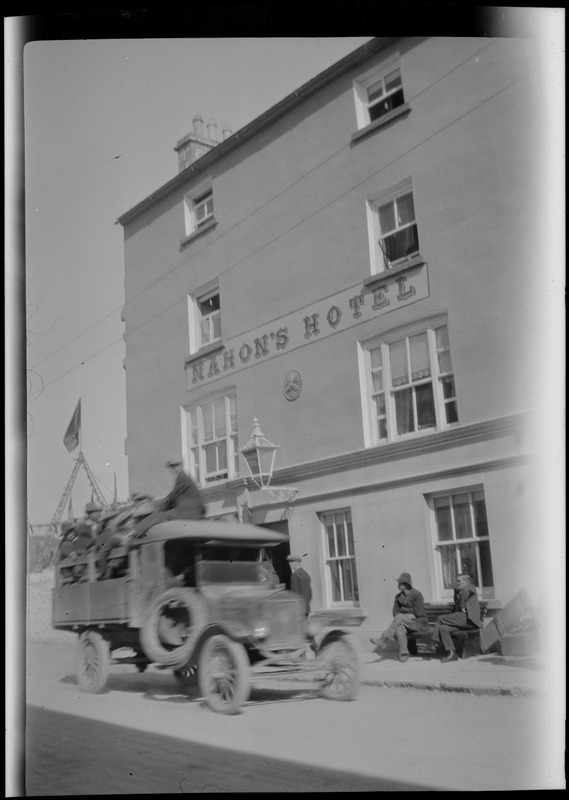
[[400, 111], [207, 226], [207, 350], [414, 261]]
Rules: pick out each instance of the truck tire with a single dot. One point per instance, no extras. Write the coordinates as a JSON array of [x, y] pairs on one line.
[[172, 626], [92, 662], [224, 674]]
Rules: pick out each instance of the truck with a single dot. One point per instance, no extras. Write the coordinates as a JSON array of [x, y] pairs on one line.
[[189, 595]]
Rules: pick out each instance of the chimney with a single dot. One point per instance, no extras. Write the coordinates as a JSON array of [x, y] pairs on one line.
[[196, 144]]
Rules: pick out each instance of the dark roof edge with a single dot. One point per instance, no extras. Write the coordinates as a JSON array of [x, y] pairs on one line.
[[247, 131]]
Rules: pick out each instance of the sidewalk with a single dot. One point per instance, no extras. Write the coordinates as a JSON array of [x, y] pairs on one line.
[[489, 674]]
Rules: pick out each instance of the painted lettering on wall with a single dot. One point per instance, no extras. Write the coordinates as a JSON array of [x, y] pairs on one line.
[[344, 309]]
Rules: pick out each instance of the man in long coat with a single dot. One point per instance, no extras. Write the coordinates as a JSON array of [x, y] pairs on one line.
[[300, 580]]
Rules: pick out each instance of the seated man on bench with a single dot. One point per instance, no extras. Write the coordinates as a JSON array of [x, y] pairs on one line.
[[464, 617], [408, 614]]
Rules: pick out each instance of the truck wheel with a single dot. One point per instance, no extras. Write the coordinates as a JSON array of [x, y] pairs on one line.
[[341, 663], [173, 624], [224, 674], [93, 662]]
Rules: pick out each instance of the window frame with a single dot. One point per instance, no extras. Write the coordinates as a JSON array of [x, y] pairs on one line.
[[192, 203], [196, 432], [361, 86], [379, 263], [438, 544], [373, 410], [342, 558], [196, 318]]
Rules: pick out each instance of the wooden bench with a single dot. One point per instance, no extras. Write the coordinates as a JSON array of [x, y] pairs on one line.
[[420, 642]]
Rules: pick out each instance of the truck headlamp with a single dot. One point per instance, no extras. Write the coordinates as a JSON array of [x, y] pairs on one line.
[[262, 630]]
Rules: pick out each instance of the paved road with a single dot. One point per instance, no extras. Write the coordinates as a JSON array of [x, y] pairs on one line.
[[399, 736], [122, 760]]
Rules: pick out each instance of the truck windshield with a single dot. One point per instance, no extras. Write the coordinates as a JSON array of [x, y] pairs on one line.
[[223, 564]]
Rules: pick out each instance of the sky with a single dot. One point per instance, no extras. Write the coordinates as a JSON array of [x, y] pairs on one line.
[[101, 119]]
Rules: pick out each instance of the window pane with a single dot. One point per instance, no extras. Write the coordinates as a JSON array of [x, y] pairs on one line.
[[448, 565], [222, 456], [210, 458], [379, 405], [448, 387], [350, 537], [451, 413], [441, 336], [216, 320], [404, 411], [207, 422], [443, 519], [461, 506], [382, 428], [233, 415], [219, 414], [486, 564], [393, 80], [375, 91], [419, 354], [425, 406], [204, 330], [480, 519], [405, 210], [375, 357], [377, 379], [331, 541], [467, 558], [444, 361], [341, 531], [352, 592], [387, 218], [335, 581], [398, 361]]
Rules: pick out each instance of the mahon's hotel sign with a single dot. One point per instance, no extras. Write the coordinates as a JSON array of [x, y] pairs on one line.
[[378, 295]]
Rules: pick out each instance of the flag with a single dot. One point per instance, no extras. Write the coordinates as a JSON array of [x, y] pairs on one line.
[[71, 438], [70, 512], [115, 499]]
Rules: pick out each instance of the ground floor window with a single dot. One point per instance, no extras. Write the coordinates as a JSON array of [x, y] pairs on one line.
[[462, 538], [342, 579]]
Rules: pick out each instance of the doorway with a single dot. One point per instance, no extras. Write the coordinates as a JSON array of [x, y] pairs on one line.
[[279, 553]]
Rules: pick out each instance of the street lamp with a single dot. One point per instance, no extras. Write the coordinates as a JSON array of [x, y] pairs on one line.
[[259, 455]]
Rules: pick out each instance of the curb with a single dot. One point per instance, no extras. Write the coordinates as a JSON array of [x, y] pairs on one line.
[[494, 691]]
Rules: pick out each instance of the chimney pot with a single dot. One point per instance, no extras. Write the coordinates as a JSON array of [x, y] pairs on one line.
[[226, 132], [212, 130], [198, 125]]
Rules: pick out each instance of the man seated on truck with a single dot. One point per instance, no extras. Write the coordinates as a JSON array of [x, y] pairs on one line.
[[183, 502]]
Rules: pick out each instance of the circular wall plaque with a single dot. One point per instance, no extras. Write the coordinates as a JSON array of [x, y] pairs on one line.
[[292, 384]]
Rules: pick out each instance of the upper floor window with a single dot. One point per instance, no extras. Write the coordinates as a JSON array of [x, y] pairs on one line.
[[198, 211], [398, 234], [209, 309], [342, 579], [409, 384], [462, 539], [204, 319], [213, 442], [392, 227], [378, 93]]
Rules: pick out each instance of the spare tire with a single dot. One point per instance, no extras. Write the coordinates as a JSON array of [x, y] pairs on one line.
[[173, 625]]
